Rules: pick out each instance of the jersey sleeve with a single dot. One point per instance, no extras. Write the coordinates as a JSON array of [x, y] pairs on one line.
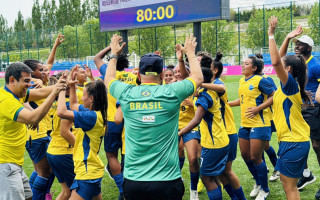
[[10, 108], [84, 119], [265, 86], [118, 104], [184, 88], [272, 83], [82, 108], [219, 82], [103, 70], [116, 88], [204, 100], [291, 87]]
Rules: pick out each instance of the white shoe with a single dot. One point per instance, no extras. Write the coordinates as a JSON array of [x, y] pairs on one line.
[[262, 195], [194, 195], [255, 191], [275, 176]]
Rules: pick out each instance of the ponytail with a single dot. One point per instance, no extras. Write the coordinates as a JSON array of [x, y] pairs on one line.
[[217, 64]]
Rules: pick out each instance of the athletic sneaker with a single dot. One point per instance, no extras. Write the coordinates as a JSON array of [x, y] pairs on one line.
[[318, 194], [275, 175], [48, 196], [108, 170], [255, 191], [304, 181], [121, 196], [200, 186], [194, 195], [262, 195]]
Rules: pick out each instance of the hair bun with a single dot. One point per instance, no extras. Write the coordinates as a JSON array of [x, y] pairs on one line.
[[218, 56], [259, 55]]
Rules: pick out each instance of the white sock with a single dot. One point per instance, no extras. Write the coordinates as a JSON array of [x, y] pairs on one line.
[[306, 172]]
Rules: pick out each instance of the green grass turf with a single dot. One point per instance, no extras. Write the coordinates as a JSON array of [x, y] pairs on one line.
[[110, 191]]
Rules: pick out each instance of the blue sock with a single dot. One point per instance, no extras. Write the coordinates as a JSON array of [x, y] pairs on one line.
[[39, 188], [181, 160], [239, 193], [230, 192], [118, 179], [263, 158], [32, 178], [263, 175], [194, 180], [253, 171], [50, 182], [272, 156], [215, 194]]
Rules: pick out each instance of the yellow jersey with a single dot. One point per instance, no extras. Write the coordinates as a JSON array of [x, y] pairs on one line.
[[126, 77], [186, 114], [58, 145], [287, 103], [41, 130], [212, 130], [87, 163], [12, 133], [226, 111], [79, 93], [251, 93], [270, 108]]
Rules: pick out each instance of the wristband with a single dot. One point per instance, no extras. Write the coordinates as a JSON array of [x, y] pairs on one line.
[[112, 56], [271, 37]]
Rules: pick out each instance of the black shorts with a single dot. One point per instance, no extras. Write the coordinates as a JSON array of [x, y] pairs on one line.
[[312, 116], [155, 190]]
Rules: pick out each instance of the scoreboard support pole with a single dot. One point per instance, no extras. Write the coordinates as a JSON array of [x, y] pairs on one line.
[[124, 35], [197, 34]]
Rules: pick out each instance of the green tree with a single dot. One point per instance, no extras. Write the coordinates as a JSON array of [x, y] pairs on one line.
[[85, 11], [94, 9], [36, 15], [63, 13], [3, 24], [75, 12], [52, 14], [28, 24], [19, 23], [313, 22]]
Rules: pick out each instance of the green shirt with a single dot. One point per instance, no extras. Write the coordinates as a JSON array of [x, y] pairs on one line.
[[151, 114]]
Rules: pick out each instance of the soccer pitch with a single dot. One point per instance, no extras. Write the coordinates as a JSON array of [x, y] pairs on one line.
[[110, 191]]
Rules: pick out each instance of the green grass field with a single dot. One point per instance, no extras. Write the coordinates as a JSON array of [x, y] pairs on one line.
[[110, 191]]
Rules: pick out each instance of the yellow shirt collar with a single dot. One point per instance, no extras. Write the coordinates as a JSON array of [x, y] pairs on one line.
[[309, 59]]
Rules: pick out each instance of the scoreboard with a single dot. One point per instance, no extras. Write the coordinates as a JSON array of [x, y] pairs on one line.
[[131, 14]]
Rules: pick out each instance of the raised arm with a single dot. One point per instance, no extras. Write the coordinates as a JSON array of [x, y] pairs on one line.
[[274, 54], [88, 72], [285, 44], [73, 99], [189, 50], [52, 55], [220, 88], [66, 133], [194, 122], [62, 110], [116, 50], [40, 93], [98, 58], [182, 66], [35, 116]]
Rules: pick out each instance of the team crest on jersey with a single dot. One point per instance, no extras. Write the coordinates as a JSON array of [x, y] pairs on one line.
[[148, 118], [146, 93], [251, 87]]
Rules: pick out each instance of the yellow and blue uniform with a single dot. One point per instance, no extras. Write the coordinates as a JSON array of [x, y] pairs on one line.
[[228, 120], [112, 140], [186, 114], [12, 133], [292, 130], [89, 168], [214, 138], [251, 93], [60, 152]]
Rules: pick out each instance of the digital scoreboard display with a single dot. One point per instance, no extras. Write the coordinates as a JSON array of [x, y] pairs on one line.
[[132, 14]]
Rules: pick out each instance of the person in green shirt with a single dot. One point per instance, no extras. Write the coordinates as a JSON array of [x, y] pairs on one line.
[[151, 113]]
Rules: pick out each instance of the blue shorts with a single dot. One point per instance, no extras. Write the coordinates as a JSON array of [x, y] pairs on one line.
[[261, 133], [189, 136], [87, 189], [213, 161], [113, 139], [273, 127], [233, 144], [62, 167], [292, 158], [37, 149]]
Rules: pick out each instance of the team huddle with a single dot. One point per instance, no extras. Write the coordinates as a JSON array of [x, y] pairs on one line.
[[152, 115]]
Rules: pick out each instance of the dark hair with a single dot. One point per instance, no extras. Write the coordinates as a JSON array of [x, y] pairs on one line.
[[257, 61], [33, 64], [206, 61], [299, 72], [203, 53], [170, 67], [122, 62], [98, 90], [15, 70], [217, 64], [207, 74]]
